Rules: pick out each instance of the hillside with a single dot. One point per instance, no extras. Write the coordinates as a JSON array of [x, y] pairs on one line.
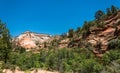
[[97, 33], [100, 37]]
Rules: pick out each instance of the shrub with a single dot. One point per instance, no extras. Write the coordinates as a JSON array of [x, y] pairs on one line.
[[90, 66], [112, 55], [114, 44]]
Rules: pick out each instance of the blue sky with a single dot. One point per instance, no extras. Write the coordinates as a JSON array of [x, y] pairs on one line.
[[49, 16]]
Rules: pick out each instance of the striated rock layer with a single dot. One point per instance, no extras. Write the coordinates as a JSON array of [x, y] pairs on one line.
[[31, 40], [102, 36]]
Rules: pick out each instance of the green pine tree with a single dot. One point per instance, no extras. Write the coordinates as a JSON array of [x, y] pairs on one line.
[[5, 44]]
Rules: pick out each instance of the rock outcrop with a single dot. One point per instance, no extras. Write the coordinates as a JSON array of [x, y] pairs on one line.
[[100, 37], [31, 40], [64, 43]]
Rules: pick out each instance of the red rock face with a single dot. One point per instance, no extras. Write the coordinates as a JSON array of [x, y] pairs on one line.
[[31, 40], [104, 35], [63, 43]]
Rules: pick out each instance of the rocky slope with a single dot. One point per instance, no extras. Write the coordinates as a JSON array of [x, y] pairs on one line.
[[99, 37], [31, 40]]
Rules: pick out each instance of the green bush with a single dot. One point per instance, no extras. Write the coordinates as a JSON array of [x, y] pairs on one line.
[[109, 57], [114, 44], [90, 66]]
